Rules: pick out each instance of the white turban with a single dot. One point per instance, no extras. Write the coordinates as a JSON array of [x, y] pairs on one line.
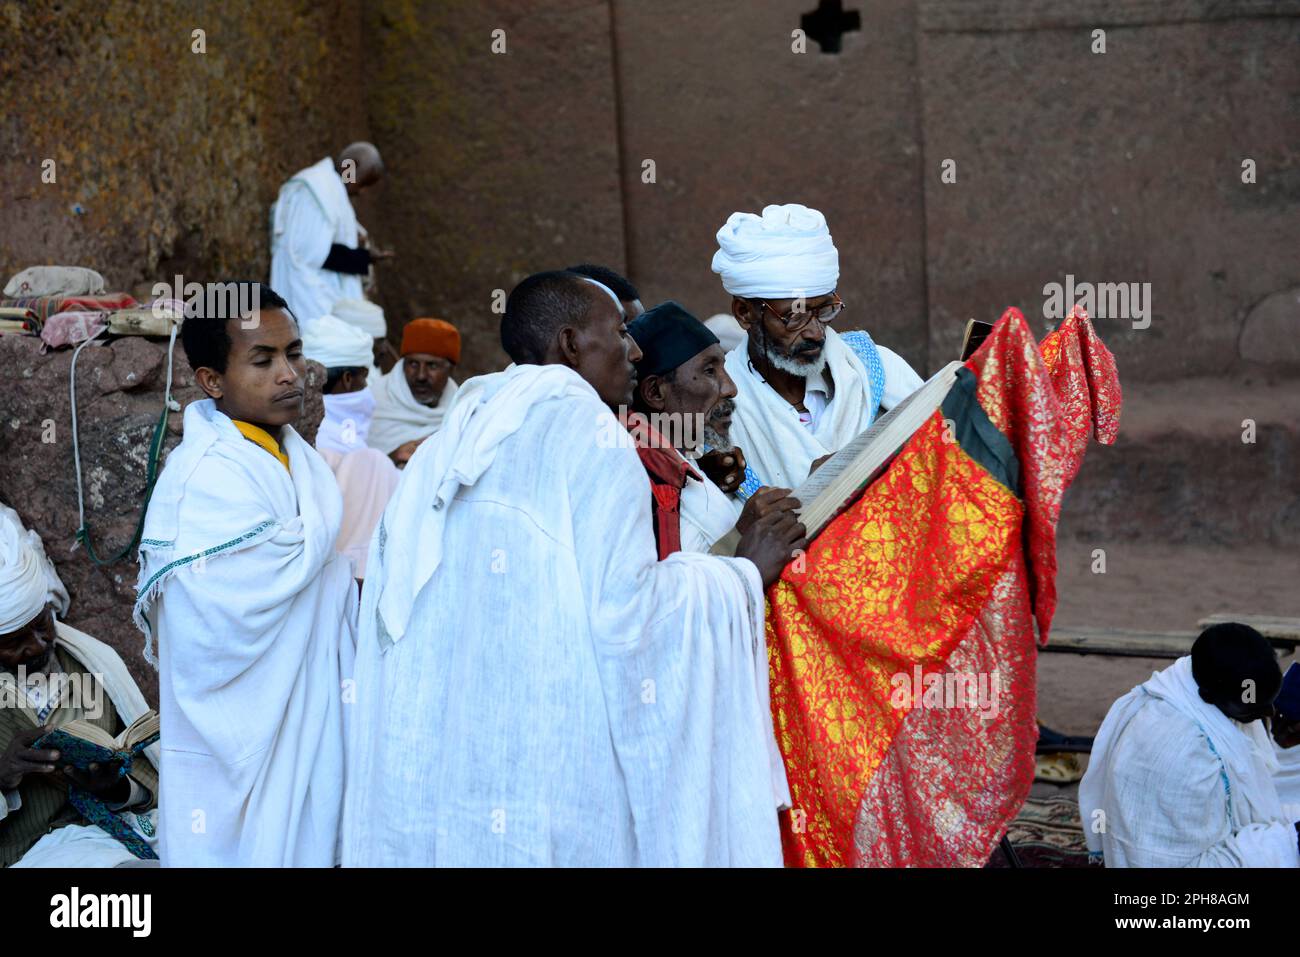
[[362, 314], [333, 343], [784, 254], [27, 579]]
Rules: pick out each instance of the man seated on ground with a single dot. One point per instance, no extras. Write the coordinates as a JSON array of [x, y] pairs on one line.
[[50, 675], [253, 610], [1286, 738], [1182, 770], [411, 400], [686, 399], [533, 686], [366, 476], [804, 391]]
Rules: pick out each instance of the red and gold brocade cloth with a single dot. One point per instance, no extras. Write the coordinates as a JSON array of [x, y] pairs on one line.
[[902, 649]]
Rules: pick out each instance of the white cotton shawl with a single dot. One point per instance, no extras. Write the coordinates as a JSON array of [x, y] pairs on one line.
[[555, 695], [778, 447], [337, 344], [254, 615], [785, 253], [1173, 782], [398, 417], [707, 513]]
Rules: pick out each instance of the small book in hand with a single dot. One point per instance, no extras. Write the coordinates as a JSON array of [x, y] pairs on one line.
[[81, 743]]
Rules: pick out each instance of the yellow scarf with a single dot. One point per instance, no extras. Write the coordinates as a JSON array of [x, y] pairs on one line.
[[261, 437]]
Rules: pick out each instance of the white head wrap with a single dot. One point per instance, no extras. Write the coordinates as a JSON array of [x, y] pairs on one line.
[[784, 254], [27, 579], [362, 314], [333, 343]]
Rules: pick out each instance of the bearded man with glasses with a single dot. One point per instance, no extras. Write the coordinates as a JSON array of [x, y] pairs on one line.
[[803, 390]]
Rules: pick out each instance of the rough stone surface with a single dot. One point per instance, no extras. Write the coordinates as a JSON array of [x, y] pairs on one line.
[[119, 399], [1271, 333], [499, 165], [735, 120], [1123, 166], [166, 160]]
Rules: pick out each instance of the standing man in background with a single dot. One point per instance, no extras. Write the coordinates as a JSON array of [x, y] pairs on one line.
[[316, 254]]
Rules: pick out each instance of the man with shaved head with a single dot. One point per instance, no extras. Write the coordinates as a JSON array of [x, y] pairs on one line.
[[533, 686], [317, 254]]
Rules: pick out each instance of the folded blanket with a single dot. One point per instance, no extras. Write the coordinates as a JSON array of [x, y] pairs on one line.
[[46, 306]]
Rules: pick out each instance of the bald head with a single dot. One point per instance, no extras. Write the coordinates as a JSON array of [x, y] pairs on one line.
[[566, 319], [360, 165]]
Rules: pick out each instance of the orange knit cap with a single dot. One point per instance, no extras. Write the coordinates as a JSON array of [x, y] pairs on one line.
[[432, 337]]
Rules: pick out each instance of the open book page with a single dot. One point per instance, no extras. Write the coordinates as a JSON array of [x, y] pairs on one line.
[[840, 479]]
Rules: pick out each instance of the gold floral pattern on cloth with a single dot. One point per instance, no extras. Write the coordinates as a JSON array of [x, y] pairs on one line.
[[932, 581]]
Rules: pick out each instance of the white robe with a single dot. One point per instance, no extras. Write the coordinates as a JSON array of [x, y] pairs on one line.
[[778, 447], [550, 694], [398, 418], [254, 614], [1174, 782], [707, 513], [313, 211]]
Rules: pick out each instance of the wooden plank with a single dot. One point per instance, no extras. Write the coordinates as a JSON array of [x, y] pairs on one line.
[[1272, 627], [1118, 643]]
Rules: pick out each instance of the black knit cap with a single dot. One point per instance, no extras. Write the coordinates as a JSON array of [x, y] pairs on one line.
[[668, 335]]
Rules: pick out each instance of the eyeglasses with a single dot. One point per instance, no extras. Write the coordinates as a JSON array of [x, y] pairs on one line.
[[795, 321]]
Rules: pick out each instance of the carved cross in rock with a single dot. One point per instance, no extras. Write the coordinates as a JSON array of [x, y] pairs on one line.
[[828, 24]]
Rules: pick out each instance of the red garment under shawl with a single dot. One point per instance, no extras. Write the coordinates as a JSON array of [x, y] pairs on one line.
[[930, 583]]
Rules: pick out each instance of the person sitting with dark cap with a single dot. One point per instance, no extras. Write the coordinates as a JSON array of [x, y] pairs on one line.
[[682, 406], [1182, 772]]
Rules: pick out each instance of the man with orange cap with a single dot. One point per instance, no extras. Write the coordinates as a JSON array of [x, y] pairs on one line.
[[411, 400]]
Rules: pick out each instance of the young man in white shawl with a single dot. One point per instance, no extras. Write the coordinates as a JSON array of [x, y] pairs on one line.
[[412, 399], [366, 476], [533, 687], [1182, 770], [50, 675], [252, 609], [317, 257], [803, 391], [687, 400]]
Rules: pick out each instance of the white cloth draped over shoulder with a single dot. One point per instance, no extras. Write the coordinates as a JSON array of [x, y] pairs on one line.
[[550, 694], [313, 212], [254, 615], [707, 513], [778, 447], [86, 845], [1174, 782], [398, 417]]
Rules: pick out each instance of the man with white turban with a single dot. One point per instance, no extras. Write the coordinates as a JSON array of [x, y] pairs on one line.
[[804, 391], [50, 675], [366, 477]]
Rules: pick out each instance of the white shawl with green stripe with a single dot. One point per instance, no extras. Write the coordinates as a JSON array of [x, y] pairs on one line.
[[253, 613]]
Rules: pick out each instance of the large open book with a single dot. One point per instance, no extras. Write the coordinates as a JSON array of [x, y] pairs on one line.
[[842, 478], [80, 743]]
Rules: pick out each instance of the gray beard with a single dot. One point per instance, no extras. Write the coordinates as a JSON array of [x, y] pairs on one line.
[[715, 440], [807, 368]]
